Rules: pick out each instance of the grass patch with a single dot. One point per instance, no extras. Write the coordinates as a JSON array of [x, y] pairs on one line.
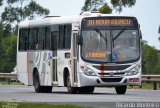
[[145, 85], [9, 83], [35, 105]]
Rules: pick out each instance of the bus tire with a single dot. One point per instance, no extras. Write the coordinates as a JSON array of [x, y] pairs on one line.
[[71, 90], [121, 89], [38, 87], [36, 82]]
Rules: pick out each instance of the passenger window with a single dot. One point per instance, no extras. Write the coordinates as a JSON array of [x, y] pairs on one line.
[[61, 37], [23, 39], [54, 40], [47, 34], [65, 36], [32, 38], [40, 38], [68, 30]]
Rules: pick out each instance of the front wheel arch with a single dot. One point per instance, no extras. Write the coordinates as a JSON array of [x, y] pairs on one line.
[[37, 85]]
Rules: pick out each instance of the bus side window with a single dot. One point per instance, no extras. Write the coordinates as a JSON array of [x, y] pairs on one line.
[[23, 39], [32, 35], [61, 37], [26, 39], [40, 39], [65, 36], [68, 29], [47, 35], [54, 40], [43, 38], [36, 39]]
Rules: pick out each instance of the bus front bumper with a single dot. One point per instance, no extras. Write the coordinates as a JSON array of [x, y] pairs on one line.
[[85, 80]]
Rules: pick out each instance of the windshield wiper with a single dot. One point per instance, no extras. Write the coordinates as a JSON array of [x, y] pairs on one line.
[[118, 34], [98, 31]]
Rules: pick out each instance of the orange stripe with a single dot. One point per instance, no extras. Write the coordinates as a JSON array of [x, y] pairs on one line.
[[28, 67], [102, 70]]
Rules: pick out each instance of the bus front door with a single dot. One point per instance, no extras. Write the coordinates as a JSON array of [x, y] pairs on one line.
[[54, 46], [74, 53]]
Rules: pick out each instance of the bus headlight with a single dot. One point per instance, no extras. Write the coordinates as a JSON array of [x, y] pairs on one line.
[[133, 71], [87, 71]]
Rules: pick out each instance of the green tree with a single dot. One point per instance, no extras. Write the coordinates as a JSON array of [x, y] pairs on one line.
[[7, 49], [92, 5], [119, 4], [8, 57], [103, 6], [150, 59], [1, 38], [18, 10], [105, 9], [1, 2]]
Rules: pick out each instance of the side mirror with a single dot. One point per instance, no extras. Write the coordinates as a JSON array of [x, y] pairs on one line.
[[79, 39], [140, 34]]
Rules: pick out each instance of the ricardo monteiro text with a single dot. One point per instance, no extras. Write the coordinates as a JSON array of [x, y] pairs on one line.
[[137, 105], [125, 105]]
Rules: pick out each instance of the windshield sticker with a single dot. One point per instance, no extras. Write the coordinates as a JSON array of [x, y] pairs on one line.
[[134, 33], [96, 55], [121, 57]]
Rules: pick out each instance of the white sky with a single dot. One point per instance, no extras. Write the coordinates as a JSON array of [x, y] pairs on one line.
[[146, 11]]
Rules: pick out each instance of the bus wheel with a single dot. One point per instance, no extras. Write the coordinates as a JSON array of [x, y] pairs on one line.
[[121, 89], [36, 82], [71, 90], [38, 87]]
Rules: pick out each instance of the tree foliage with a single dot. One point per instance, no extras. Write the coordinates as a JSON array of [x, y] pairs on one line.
[[105, 9], [150, 59], [33, 9], [16, 11], [7, 50], [8, 57], [1, 2], [92, 5], [103, 6], [119, 4]]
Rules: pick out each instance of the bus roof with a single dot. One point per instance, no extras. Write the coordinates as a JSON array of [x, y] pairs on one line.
[[49, 20]]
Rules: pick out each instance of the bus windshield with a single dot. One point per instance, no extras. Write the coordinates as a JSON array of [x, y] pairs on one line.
[[110, 45]]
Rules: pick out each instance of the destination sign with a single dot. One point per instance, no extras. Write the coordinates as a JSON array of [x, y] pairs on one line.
[[102, 22], [109, 22]]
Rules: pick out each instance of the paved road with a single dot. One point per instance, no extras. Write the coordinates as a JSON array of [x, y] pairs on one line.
[[100, 95]]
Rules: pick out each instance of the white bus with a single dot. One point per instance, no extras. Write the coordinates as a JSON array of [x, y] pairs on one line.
[[80, 52]]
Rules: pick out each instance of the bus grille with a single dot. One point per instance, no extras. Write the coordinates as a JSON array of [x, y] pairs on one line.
[[111, 79], [109, 68], [108, 74]]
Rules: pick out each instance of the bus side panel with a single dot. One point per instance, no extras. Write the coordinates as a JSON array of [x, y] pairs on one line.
[[62, 62], [42, 62], [22, 65]]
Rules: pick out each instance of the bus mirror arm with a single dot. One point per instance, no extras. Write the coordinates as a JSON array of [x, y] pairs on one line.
[[140, 34]]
